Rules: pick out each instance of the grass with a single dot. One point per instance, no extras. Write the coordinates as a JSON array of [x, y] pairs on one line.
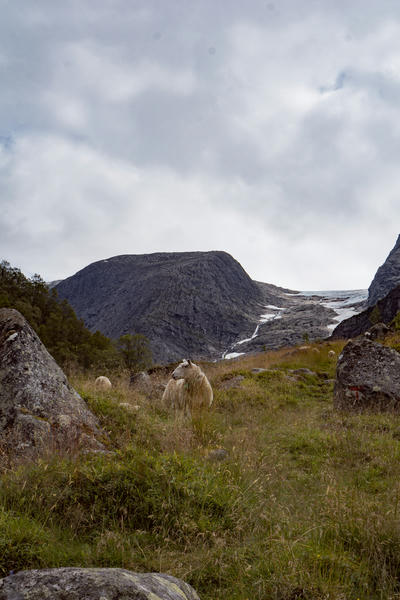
[[306, 504]]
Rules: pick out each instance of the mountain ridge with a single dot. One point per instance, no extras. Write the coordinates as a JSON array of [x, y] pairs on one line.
[[196, 304], [185, 303]]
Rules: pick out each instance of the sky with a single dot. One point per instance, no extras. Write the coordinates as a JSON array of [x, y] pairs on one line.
[[267, 129]]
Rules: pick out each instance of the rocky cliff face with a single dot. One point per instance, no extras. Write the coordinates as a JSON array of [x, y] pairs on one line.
[[384, 311], [383, 302], [387, 276], [188, 304]]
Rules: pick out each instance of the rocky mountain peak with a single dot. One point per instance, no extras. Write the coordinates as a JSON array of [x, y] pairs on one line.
[[387, 276], [187, 303]]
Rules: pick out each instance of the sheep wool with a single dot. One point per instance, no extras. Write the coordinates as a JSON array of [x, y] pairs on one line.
[[103, 382], [188, 389]]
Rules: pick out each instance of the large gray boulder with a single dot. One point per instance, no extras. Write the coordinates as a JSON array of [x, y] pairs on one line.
[[38, 408], [74, 583], [367, 378]]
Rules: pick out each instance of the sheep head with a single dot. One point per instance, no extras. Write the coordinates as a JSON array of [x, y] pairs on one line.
[[182, 370]]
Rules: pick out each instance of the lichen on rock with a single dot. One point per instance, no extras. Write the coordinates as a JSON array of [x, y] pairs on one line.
[[38, 408], [71, 583], [367, 378]]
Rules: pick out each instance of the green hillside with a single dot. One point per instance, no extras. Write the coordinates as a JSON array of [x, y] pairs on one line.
[[65, 336], [304, 504]]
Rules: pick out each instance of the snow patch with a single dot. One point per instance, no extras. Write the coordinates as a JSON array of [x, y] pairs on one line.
[[341, 315], [342, 296], [343, 304], [269, 317], [233, 355], [250, 338]]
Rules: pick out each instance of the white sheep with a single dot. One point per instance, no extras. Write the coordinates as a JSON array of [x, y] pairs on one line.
[[103, 382], [188, 389], [331, 354]]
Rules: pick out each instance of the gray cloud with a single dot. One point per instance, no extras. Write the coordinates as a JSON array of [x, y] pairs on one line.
[[269, 131]]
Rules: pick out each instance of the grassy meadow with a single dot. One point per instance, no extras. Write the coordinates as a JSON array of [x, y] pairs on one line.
[[304, 505]]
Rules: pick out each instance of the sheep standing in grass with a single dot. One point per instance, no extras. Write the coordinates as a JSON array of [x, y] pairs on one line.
[[188, 389], [103, 383], [331, 354]]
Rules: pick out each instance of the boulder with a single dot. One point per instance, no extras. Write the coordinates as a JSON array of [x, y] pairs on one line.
[[367, 377], [71, 583], [302, 371], [148, 386], [231, 383], [38, 408], [378, 331]]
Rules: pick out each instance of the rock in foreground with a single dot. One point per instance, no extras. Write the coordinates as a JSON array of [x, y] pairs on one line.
[[38, 408], [367, 378], [93, 584]]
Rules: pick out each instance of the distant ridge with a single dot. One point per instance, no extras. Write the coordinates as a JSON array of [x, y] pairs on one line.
[[186, 303]]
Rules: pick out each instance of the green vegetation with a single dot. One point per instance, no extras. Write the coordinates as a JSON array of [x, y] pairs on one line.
[[135, 351], [64, 335], [375, 316], [395, 323], [305, 505]]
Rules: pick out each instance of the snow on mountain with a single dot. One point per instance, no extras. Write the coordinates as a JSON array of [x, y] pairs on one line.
[[333, 306], [345, 303]]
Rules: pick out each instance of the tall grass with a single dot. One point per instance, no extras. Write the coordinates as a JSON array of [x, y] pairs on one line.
[[305, 503]]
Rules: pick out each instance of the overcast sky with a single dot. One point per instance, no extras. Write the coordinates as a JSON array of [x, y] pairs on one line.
[[268, 129]]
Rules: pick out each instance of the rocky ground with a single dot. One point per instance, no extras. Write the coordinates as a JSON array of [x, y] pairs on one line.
[[296, 317]]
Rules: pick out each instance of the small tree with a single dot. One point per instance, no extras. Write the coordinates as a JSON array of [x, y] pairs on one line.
[[395, 323], [135, 351], [375, 316]]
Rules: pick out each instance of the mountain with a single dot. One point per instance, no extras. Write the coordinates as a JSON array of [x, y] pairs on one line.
[[199, 305], [187, 304], [383, 301], [387, 276], [383, 311]]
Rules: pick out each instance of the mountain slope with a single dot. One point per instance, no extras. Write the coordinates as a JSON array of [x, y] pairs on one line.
[[387, 276], [384, 310], [189, 303]]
